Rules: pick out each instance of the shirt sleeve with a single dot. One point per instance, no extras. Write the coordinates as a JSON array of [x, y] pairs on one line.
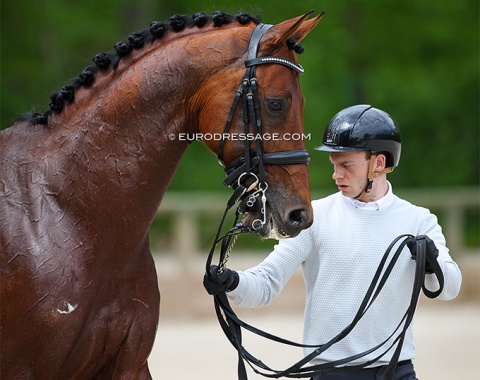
[[259, 285], [450, 269]]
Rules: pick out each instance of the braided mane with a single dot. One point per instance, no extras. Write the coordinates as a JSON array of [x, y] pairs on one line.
[[137, 40]]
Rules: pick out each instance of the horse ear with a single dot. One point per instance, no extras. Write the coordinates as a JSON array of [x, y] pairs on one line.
[[297, 28], [306, 26]]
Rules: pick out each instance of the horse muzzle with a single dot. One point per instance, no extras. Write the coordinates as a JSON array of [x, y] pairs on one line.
[[269, 223]]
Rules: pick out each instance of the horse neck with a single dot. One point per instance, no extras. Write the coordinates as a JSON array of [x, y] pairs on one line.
[[152, 87], [129, 115]]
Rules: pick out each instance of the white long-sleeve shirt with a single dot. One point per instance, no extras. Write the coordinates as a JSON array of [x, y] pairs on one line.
[[339, 255]]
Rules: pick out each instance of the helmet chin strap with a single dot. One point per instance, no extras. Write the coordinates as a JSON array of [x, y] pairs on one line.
[[372, 175]]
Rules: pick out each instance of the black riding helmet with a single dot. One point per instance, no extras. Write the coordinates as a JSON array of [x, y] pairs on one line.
[[363, 127]]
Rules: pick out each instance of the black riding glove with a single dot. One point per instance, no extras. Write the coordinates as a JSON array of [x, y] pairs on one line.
[[431, 251], [216, 283]]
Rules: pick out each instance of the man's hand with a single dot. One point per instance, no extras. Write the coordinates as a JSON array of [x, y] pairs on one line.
[[432, 251], [216, 283]]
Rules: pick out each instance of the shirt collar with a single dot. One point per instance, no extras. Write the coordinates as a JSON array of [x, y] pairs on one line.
[[378, 205]]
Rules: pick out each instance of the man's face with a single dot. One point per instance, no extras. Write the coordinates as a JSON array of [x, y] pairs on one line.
[[350, 171]]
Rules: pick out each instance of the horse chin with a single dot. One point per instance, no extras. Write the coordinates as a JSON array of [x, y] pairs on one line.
[[275, 232]]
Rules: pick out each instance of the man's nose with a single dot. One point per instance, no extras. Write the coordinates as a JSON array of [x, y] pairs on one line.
[[336, 173]]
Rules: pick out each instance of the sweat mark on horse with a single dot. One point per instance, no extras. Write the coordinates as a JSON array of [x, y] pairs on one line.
[[80, 185]]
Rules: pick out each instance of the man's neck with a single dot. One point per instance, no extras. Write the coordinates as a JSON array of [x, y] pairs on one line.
[[378, 191]]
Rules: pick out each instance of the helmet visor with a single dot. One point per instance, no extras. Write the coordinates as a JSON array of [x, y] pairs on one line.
[[336, 148]]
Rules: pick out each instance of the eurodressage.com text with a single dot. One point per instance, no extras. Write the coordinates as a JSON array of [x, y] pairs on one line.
[[239, 136]]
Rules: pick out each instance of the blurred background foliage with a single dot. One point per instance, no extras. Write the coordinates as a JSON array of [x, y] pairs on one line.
[[416, 59]]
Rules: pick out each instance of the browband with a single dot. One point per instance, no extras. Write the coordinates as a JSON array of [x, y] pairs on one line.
[[282, 61]]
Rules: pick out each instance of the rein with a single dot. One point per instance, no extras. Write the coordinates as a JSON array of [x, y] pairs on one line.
[[232, 325]]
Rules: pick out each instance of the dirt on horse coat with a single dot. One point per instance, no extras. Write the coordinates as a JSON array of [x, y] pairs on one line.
[[80, 185]]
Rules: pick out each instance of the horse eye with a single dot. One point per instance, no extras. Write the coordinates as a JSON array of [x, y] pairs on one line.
[[275, 105]]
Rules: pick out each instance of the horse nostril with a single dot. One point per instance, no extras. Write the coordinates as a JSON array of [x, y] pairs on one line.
[[298, 218]]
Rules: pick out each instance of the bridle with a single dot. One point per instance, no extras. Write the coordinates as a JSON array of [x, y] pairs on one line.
[[251, 163]]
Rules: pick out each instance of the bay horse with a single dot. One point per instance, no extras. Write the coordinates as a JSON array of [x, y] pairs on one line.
[[80, 185]]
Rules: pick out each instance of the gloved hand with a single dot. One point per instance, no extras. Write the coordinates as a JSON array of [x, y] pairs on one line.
[[216, 283], [431, 251]]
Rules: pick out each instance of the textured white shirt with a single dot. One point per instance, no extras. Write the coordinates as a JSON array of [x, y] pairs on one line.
[[339, 255]]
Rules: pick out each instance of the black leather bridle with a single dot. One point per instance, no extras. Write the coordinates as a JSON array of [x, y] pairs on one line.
[[251, 162]]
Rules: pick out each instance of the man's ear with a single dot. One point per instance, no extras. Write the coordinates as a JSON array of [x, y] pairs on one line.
[[380, 162]]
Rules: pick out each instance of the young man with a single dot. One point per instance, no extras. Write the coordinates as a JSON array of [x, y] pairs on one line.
[[341, 251]]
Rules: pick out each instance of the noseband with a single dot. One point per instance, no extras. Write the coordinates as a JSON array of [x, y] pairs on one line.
[[251, 163]]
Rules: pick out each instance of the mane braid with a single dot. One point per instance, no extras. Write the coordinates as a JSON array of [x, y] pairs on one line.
[[136, 40]]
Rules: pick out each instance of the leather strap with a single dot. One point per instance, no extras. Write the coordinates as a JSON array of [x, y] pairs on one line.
[[257, 35], [239, 165], [282, 61]]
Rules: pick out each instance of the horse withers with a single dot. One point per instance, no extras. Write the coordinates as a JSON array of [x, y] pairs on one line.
[[80, 185]]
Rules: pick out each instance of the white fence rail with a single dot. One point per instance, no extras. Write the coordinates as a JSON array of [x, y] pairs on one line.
[[184, 209]]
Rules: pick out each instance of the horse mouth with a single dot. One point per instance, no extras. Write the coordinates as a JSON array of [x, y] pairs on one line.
[[274, 231], [271, 229], [263, 217]]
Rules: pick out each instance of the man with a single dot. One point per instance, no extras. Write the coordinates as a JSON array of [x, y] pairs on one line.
[[341, 251]]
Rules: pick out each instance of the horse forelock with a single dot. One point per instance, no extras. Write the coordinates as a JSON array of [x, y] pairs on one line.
[[135, 41]]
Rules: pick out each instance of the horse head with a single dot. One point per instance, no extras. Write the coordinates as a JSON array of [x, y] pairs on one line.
[[262, 143]]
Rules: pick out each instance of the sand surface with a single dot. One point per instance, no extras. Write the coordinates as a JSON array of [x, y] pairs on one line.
[[190, 343]]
